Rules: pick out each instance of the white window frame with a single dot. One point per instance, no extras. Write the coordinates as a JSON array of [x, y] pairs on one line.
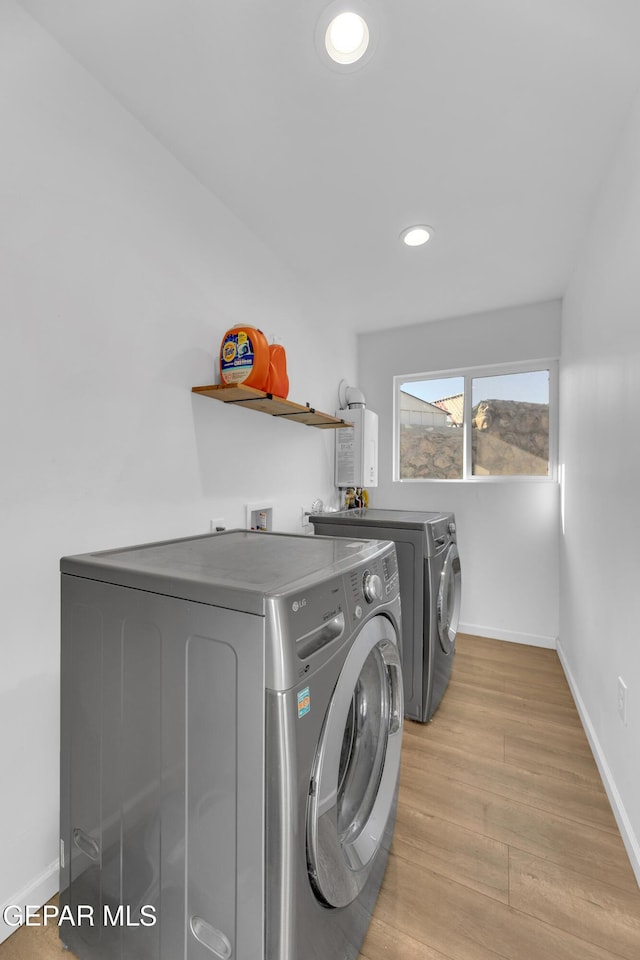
[[469, 374]]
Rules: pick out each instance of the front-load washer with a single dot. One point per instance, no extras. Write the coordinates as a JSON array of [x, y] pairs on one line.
[[230, 746], [430, 590]]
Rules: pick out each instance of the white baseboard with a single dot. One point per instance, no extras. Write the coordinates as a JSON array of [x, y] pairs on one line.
[[41, 889], [492, 633], [629, 838]]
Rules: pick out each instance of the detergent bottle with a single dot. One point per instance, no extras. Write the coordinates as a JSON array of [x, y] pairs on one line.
[[244, 357], [278, 382]]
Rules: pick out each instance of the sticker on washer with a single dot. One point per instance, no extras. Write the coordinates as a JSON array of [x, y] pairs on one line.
[[304, 702]]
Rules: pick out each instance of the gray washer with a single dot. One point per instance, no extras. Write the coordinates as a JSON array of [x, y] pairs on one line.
[[230, 746], [430, 590]]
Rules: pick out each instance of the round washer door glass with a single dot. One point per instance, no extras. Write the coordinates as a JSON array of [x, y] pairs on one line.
[[356, 768], [448, 604]]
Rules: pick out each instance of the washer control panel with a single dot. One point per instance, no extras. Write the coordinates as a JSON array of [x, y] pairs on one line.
[[307, 625], [372, 586]]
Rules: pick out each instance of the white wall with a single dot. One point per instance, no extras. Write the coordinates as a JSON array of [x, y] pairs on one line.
[[600, 447], [508, 532], [119, 275]]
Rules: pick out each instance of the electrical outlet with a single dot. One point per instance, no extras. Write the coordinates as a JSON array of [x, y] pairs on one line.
[[622, 700], [217, 525], [317, 506]]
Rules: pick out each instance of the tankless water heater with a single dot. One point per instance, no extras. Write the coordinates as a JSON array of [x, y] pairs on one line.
[[357, 449]]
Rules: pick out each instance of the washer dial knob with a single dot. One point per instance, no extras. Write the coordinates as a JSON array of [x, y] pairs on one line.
[[371, 587]]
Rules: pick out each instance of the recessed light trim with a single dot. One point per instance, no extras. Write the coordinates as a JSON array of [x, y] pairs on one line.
[[347, 34], [417, 235], [347, 37]]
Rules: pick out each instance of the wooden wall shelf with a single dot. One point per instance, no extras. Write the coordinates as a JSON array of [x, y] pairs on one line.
[[266, 403]]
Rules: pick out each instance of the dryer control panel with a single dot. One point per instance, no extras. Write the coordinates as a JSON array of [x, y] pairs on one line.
[[440, 533], [377, 582]]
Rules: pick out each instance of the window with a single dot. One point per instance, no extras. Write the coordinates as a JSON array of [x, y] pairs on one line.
[[478, 423]]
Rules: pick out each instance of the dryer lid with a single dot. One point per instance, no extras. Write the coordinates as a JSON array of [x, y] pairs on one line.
[[380, 517]]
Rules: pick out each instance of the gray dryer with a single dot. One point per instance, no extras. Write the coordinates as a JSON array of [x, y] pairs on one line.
[[430, 589]]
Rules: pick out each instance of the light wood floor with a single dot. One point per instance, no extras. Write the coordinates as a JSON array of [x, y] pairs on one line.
[[505, 847]]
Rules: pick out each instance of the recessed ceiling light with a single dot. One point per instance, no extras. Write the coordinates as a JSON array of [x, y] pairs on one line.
[[347, 34], [417, 235], [347, 37]]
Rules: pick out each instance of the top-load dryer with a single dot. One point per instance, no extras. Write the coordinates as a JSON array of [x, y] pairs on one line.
[[231, 726], [430, 590]]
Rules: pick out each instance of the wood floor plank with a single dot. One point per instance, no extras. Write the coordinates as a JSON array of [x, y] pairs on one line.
[[384, 942], [571, 801], [523, 680], [546, 690], [463, 726], [590, 909], [460, 715], [468, 926], [553, 761], [452, 851], [528, 708], [498, 675], [504, 651], [490, 743], [508, 655], [412, 902], [595, 853]]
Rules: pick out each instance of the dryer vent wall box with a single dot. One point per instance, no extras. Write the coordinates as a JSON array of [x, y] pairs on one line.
[[357, 449]]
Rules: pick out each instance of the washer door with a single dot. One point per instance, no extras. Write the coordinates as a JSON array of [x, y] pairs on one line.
[[356, 768], [448, 603]]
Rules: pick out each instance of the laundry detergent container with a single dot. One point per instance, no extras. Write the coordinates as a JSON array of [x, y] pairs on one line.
[[244, 357]]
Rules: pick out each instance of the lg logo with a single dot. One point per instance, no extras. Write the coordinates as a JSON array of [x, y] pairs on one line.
[[298, 604]]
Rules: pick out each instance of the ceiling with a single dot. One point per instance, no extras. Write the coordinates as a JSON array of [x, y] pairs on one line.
[[491, 120]]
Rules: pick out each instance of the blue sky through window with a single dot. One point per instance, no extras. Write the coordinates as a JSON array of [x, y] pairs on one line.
[[432, 390], [530, 387]]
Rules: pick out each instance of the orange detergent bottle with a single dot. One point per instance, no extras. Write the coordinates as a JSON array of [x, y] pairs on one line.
[[244, 357], [278, 382]]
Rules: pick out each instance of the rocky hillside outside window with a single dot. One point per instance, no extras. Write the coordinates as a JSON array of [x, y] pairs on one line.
[[479, 423]]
